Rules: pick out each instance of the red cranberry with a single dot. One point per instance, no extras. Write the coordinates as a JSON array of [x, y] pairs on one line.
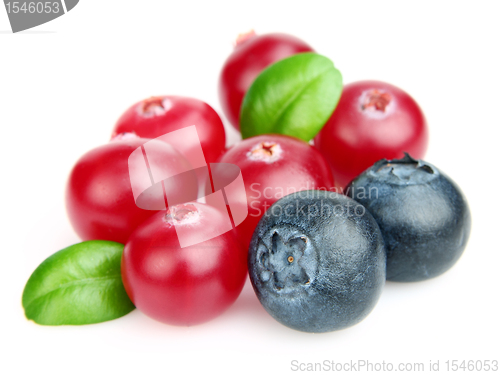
[[251, 55], [158, 115], [99, 196], [184, 285], [373, 120]]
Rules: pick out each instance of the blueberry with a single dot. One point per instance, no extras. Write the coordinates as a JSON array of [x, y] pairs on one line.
[[423, 216], [317, 261]]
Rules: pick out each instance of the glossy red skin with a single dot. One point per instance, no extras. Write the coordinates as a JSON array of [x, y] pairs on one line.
[[353, 141], [183, 286], [183, 112], [300, 167], [99, 199], [246, 62]]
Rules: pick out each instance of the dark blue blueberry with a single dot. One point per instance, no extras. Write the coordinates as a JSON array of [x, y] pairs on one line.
[[423, 216], [317, 261]]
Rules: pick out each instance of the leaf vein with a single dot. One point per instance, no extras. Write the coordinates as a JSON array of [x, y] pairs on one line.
[[294, 97], [71, 283]]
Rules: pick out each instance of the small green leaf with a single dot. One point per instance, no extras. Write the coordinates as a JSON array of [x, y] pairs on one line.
[[295, 96], [80, 284]]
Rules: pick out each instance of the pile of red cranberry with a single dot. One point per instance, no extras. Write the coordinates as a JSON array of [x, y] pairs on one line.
[[189, 285]]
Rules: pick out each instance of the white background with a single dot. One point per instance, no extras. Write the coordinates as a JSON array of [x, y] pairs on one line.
[[64, 84]]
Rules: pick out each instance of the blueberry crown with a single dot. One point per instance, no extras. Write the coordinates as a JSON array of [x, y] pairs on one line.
[[404, 171]]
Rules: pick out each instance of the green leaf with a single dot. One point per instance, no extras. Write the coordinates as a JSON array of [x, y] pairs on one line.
[[295, 96], [80, 284]]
